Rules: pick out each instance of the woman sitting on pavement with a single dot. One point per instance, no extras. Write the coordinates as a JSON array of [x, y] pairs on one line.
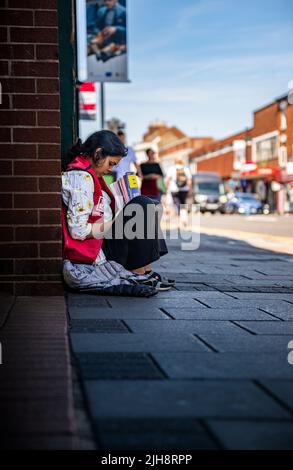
[[93, 257]]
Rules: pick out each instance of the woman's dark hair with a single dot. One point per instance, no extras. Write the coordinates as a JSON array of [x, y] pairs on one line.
[[107, 141], [148, 151]]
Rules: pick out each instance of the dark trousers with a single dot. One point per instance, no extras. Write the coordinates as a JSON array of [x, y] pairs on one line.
[[137, 252], [179, 199]]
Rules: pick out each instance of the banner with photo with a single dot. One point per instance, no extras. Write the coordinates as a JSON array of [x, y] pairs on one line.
[[102, 40]]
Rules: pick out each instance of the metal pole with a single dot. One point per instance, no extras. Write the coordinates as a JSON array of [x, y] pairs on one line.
[[102, 105]]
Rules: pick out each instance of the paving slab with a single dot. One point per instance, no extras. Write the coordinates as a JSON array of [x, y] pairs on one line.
[[264, 295], [118, 366], [87, 300], [269, 327], [189, 287], [145, 342], [224, 366], [263, 282], [279, 308], [155, 301], [141, 312], [220, 314], [185, 326], [252, 435], [134, 399], [192, 277], [36, 405], [281, 389], [282, 310], [226, 342], [98, 326], [174, 294], [154, 434]]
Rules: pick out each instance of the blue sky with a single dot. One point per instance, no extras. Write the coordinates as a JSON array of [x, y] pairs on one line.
[[203, 65]]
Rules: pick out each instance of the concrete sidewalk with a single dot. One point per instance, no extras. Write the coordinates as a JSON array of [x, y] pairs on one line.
[[36, 396], [204, 366]]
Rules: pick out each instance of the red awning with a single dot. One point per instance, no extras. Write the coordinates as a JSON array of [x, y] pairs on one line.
[[278, 174], [260, 172]]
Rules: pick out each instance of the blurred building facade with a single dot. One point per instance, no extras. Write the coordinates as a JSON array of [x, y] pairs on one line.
[[170, 143], [258, 159]]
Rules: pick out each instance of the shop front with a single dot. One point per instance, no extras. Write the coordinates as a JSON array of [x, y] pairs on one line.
[[274, 186], [261, 181]]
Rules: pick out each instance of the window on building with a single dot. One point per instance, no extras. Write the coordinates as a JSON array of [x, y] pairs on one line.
[[266, 150]]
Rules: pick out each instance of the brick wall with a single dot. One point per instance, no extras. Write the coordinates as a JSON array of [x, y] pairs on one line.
[[189, 143], [30, 248], [223, 164], [266, 120], [269, 119]]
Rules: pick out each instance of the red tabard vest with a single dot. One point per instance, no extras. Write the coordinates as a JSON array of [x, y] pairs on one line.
[[85, 251]]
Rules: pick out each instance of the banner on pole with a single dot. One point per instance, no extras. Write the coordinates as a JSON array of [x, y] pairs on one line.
[[102, 40], [87, 101]]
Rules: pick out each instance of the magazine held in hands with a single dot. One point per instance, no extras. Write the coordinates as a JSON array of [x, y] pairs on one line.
[[125, 189]]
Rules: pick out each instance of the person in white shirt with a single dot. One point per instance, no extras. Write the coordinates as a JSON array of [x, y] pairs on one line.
[[179, 183], [124, 166]]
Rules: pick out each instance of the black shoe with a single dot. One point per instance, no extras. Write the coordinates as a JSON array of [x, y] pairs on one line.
[[154, 282], [161, 279]]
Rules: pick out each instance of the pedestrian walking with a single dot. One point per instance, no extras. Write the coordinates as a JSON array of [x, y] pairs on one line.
[[179, 183], [152, 177]]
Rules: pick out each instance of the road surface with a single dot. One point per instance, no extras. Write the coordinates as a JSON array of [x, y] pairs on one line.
[[280, 226]]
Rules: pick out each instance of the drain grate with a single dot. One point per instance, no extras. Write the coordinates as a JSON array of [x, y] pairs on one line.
[[98, 326], [118, 366]]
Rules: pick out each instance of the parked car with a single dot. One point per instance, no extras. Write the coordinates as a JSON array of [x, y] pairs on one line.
[[208, 192], [245, 203]]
